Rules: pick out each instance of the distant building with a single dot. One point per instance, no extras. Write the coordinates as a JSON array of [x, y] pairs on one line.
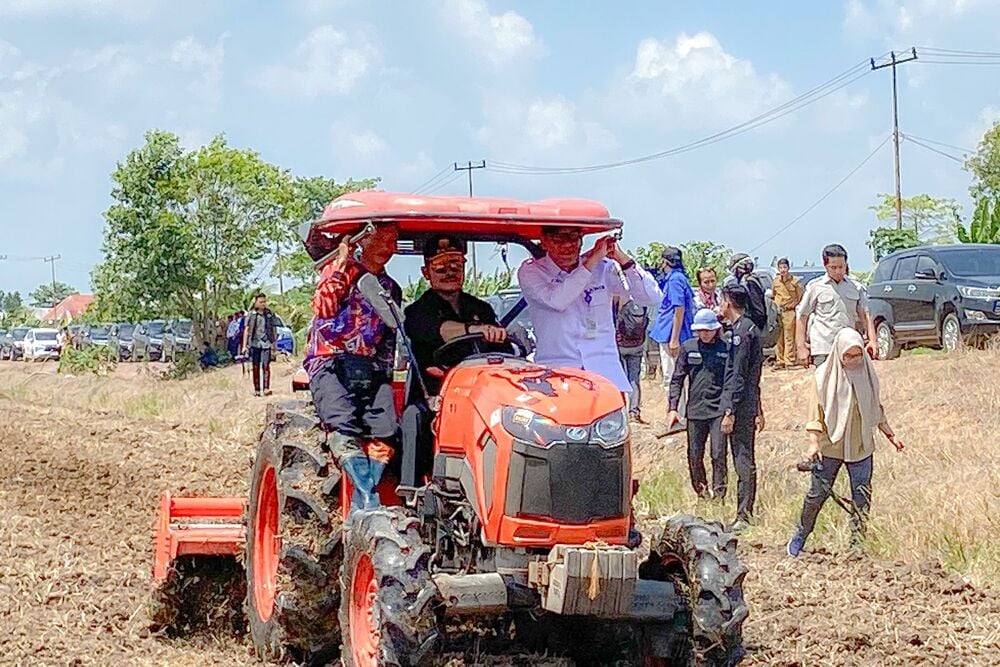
[[69, 309]]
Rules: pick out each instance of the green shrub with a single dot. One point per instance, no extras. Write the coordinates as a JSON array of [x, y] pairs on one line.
[[100, 360]]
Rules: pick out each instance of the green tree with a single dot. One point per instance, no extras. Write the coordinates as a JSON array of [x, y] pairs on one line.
[[887, 240], [706, 254], [49, 294], [985, 224], [649, 256], [932, 218], [311, 194], [186, 229], [985, 166], [11, 301]]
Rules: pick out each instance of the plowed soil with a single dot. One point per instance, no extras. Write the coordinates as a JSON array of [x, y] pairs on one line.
[[83, 461]]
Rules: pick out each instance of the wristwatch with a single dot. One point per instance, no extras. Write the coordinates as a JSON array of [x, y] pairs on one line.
[[628, 265]]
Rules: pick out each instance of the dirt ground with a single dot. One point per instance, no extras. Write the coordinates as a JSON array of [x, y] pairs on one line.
[[83, 460]]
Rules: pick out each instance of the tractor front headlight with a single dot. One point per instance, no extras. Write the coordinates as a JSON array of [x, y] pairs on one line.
[[530, 427], [612, 430]]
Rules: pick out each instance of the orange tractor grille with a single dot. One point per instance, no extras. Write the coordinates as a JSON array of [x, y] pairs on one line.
[[199, 535]]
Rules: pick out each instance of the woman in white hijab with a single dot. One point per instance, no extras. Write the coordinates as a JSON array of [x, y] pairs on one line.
[[844, 412]]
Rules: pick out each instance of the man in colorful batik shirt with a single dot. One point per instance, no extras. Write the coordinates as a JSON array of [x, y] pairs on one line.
[[350, 357]]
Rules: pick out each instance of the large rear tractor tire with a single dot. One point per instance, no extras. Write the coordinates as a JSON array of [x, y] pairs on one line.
[[699, 557], [388, 607], [294, 551]]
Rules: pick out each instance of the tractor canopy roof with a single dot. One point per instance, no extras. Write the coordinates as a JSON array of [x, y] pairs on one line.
[[485, 219]]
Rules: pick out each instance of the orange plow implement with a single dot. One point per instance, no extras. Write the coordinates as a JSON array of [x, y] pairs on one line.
[[198, 578]]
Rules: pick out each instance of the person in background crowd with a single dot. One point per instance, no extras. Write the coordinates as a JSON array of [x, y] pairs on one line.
[[234, 334], [787, 291], [571, 295], [350, 358], [844, 412], [652, 353], [708, 295], [208, 358], [260, 334], [631, 324], [831, 303], [741, 273], [673, 321], [741, 408], [702, 364]]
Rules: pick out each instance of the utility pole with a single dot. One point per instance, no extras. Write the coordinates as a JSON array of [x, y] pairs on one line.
[[51, 259], [281, 273], [469, 167], [893, 61]]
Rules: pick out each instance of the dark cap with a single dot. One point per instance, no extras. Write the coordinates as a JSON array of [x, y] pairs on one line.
[[672, 255], [443, 244]]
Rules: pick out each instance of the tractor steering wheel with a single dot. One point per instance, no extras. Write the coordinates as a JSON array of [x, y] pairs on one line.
[[460, 348]]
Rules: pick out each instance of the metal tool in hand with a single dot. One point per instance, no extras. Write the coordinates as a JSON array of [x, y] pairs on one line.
[[846, 504], [367, 230]]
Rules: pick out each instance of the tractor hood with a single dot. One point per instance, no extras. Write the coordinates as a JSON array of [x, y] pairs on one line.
[[569, 397]]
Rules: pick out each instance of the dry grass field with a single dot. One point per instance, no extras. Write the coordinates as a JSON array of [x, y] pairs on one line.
[[83, 459]]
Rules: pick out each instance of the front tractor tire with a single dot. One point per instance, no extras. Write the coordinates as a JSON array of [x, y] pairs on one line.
[[294, 552], [387, 610], [700, 559]]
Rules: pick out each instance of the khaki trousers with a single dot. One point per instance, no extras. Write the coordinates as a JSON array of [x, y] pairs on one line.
[[786, 342]]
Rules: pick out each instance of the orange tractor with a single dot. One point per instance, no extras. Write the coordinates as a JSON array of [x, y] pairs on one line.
[[511, 498]]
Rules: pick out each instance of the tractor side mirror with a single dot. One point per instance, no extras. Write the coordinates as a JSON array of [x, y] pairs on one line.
[[380, 300]]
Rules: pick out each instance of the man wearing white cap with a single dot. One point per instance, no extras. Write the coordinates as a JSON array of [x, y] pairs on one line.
[[702, 363]]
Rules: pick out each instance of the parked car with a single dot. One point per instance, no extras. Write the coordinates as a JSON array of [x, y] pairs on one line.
[[520, 330], [41, 344], [807, 274], [286, 338], [76, 334], [147, 340], [176, 339], [940, 296], [120, 339], [11, 347], [96, 335]]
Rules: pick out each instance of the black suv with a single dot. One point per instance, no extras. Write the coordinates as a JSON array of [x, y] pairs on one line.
[[120, 339], [940, 296]]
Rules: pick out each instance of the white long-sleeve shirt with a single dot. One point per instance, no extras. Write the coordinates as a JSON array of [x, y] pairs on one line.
[[572, 316]]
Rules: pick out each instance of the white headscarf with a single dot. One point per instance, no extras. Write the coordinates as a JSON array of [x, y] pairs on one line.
[[837, 387]]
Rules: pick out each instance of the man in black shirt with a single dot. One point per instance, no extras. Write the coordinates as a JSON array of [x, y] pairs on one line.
[[742, 414], [742, 274], [702, 362], [445, 312]]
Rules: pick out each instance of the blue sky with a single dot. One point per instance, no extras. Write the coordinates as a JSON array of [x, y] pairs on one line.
[[400, 90]]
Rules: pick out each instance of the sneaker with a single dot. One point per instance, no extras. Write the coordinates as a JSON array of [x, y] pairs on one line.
[[739, 526], [795, 545], [268, 392], [256, 393]]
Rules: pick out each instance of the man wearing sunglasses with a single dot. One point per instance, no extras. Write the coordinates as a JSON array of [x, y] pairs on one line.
[[571, 295], [446, 312]]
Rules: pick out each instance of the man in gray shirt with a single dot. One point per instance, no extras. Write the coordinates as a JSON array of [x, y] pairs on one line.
[[831, 303], [260, 333]]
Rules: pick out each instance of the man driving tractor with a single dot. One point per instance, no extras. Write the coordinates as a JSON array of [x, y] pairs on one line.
[[445, 311], [349, 358]]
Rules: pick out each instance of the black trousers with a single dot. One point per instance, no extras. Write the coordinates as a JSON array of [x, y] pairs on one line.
[[699, 432], [742, 441], [261, 361], [860, 473], [353, 414]]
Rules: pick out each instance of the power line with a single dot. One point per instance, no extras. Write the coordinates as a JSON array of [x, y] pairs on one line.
[[821, 199], [991, 63], [454, 177], [933, 50], [811, 96], [939, 143], [433, 179], [934, 150]]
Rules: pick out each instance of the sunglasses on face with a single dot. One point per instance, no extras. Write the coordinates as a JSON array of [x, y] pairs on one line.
[[565, 239], [450, 267]]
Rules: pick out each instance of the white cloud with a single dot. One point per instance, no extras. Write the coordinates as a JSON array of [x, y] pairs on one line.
[[128, 9], [985, 119], [893, 19], [189, 54], [327, 62], [367, 143], [501, 38], [746, 185], [693, 82], [521, 130]]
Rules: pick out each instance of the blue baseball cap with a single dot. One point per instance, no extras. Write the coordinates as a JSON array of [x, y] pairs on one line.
[[706, 320]]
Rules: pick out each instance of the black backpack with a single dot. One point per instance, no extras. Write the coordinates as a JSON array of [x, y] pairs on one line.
[[631, 326]]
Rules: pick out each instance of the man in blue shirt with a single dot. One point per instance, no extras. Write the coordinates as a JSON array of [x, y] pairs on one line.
[[673, 322]]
